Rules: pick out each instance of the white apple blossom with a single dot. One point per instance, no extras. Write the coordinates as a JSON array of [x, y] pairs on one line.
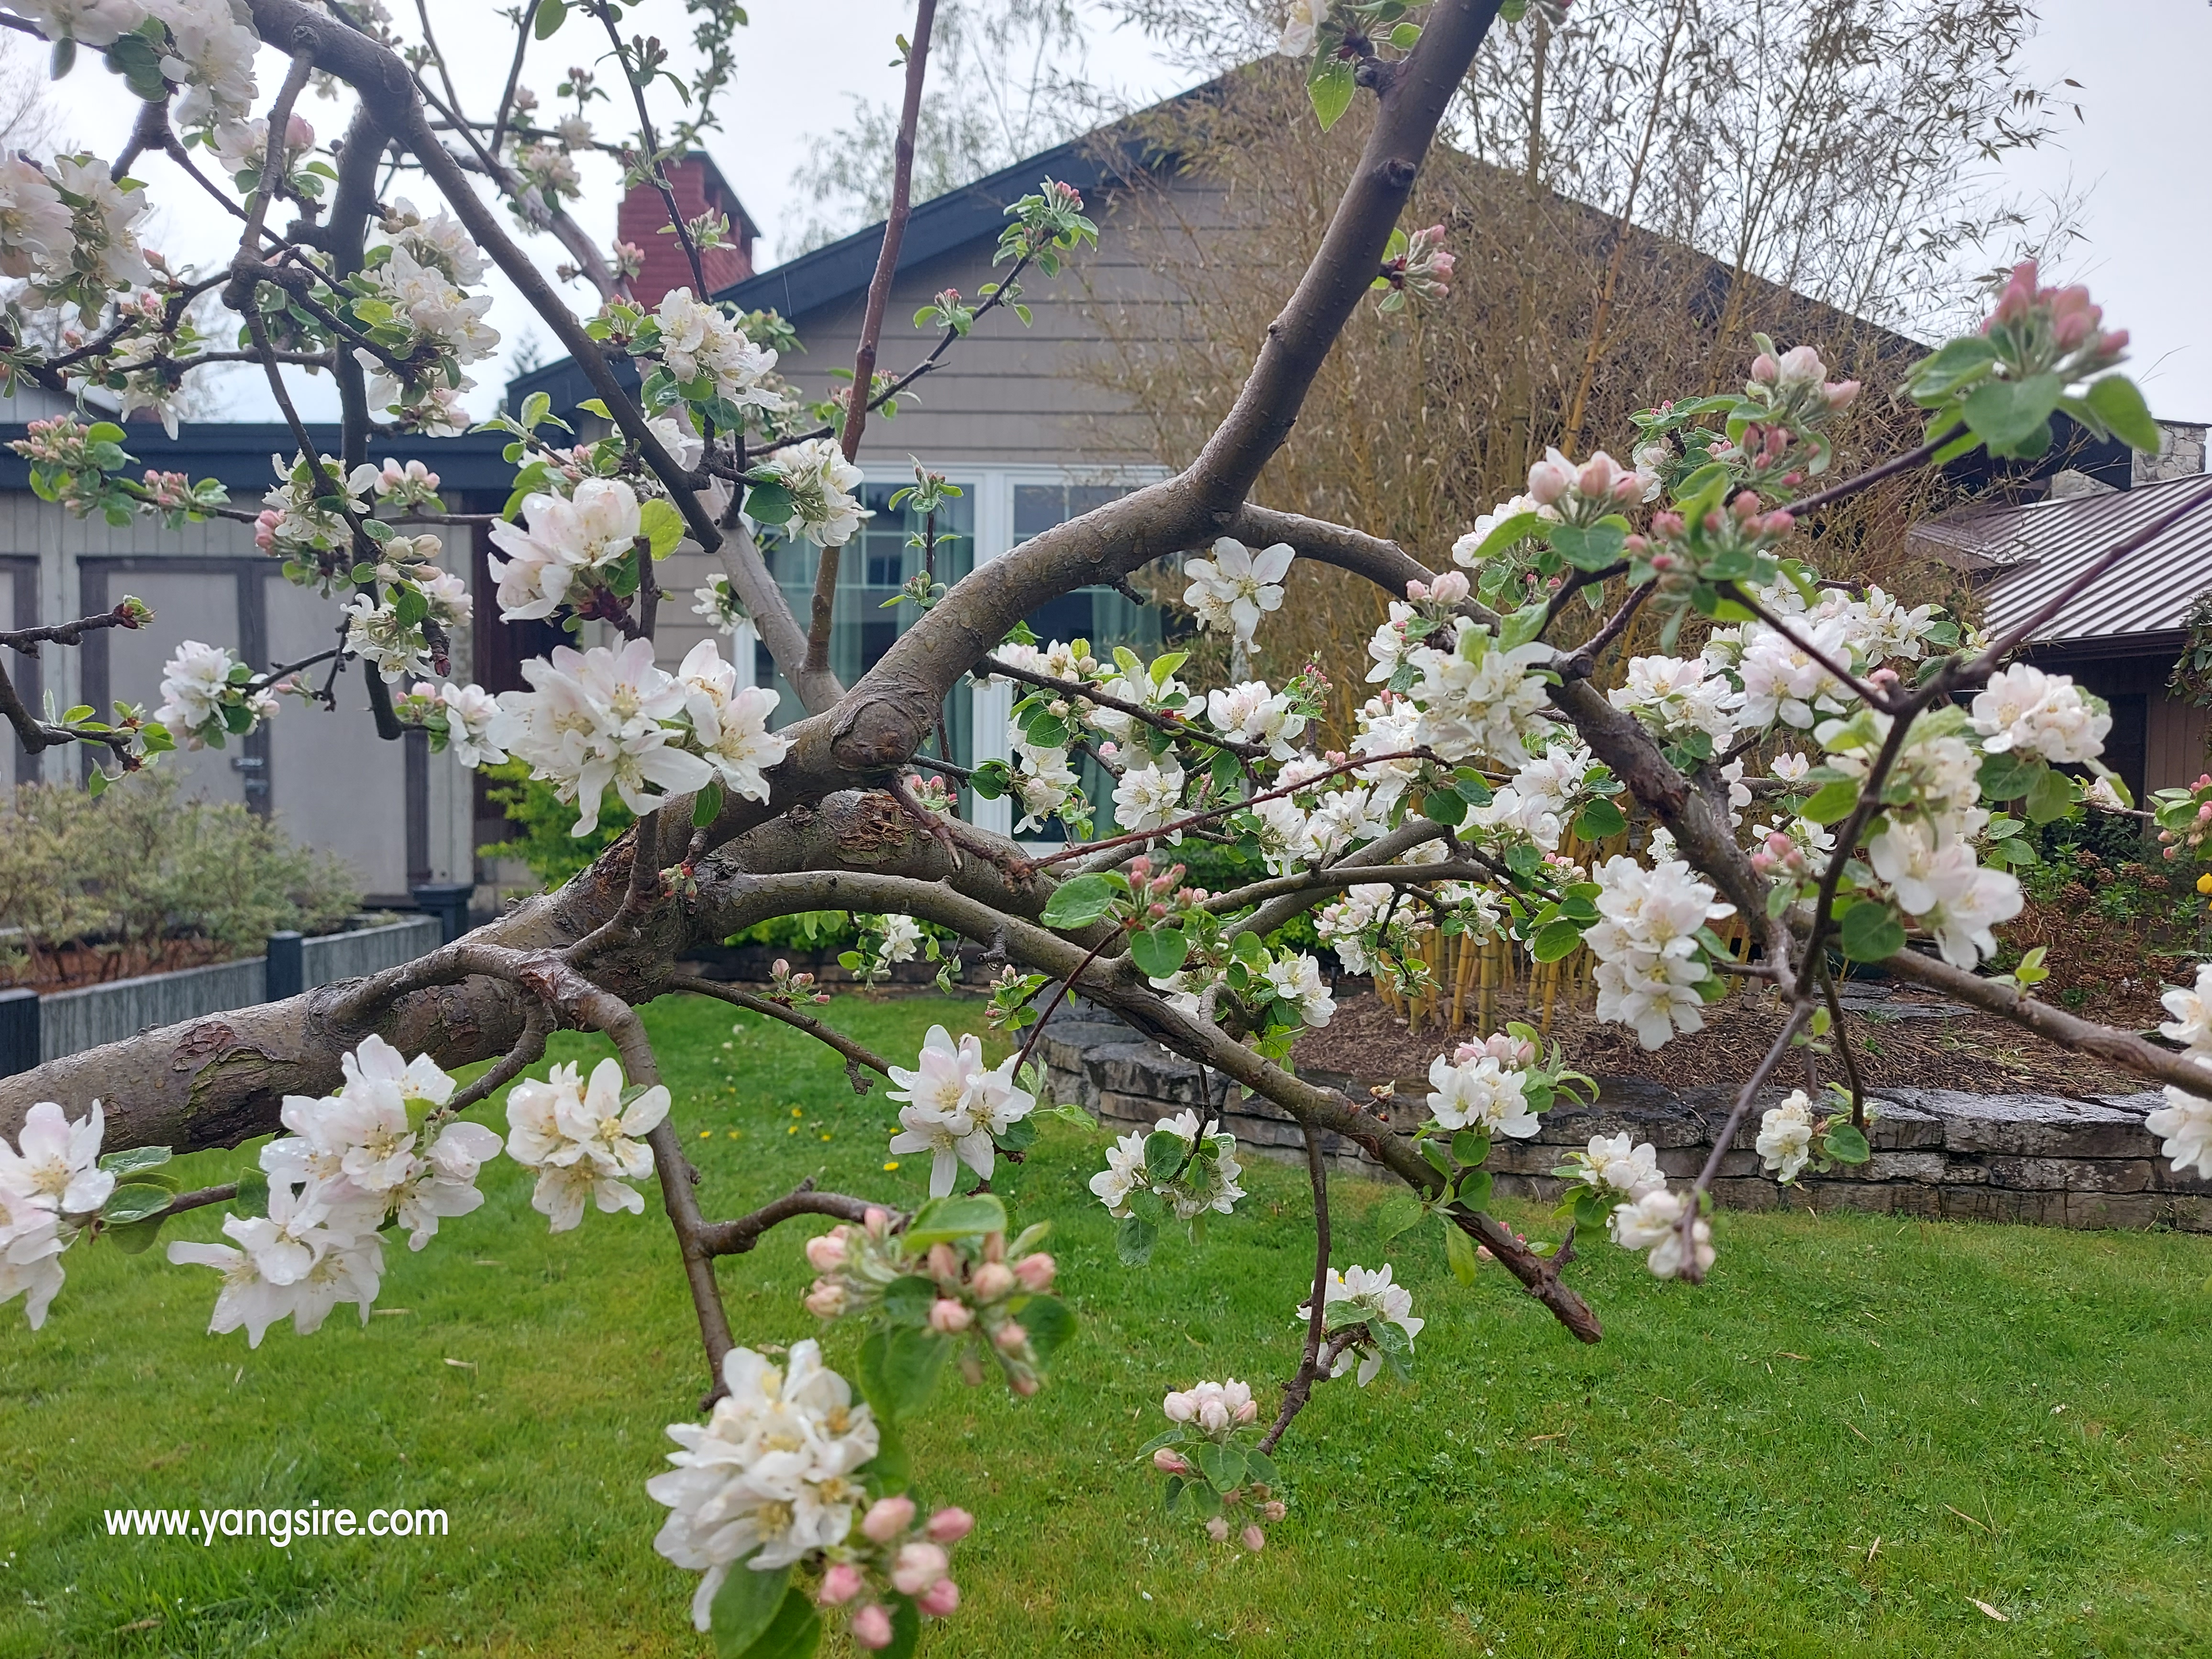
[[34, 222], [2023, 710], [1479, 698], [1785, 1136], [1673, 696], [103, 241], [1232, 591], [88, 22], [1652, 1222], [698, 342], [1255, 713], [598, 719], [558, 540], [1617, 1164], [1300, 28], [1466, 547], [583, 1140], [1361, 1295], [954, 1104], [1935, 881], [1206, 1180], [1783, 682], [31, 1244], [1215, 1409], [820, 481], [439, 241], [770, 1474], [2185, 1122], [1645, 941], [442, 316], [55, 1164], [729, 721], [211, 55], [2191, 1008], [1296, 979], [470, 713], [246, 1298], [1479, 1093], [1149, 796]]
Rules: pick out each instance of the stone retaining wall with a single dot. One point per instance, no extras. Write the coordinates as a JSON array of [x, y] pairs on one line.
[[2045, 1159]]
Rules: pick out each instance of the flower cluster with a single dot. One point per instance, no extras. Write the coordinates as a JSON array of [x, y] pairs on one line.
[[769, 1477], [1795, 1134], [957, 1109], [1177, 1169], [1232, 591], [384, 1150], [899, 1557], [458, 719], [808, 487], [1653, 1222], [2186, 1119], [584, 1141], [712, 357], [605, 719], [992, 1300], [2025, 711], [1652, 973], [564, 544], [1214, 1464], [1484, 1086], [1366, 1320], [1417, 266], [425, 327], [53, 1173], [209, 695]]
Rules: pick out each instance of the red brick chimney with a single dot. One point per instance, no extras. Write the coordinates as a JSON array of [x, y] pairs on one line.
[[700, 188]]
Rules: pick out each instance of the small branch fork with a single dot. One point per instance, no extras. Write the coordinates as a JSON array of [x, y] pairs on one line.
[[1317, 1358]]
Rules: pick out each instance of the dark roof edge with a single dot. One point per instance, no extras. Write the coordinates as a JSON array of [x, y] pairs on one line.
[[236, 452]]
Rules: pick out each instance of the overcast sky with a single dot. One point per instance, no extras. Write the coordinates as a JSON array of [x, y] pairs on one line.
[[2137, 155]]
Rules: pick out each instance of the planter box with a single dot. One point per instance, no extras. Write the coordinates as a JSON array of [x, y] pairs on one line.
[[69, 1022]]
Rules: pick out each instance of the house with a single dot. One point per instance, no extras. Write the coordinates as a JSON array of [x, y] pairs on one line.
[[2120, 638]]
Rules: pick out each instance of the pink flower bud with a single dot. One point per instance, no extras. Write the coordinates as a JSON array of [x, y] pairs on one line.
[[950, 1524], [1548, 481], [918, 1567], [1273, 1510], [887, 1517], [1450, 588], [827, 1253], [948, 1317], [1168, 1460], [872, 1628], [1248, 1411], [1025, 1384], [1254, 1540], [1841, 394], [1217, 1530], [940, 1601], [992, 1280], [1181, 1407], [1011, 1338], [827, 1299], [877, 1221], [943, 1263], [1764, 369], [1036, 1273], [298, 134], [1417, 591], [841, 1584]]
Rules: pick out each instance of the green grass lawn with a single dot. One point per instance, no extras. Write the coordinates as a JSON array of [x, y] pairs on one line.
[[2020, 1417]]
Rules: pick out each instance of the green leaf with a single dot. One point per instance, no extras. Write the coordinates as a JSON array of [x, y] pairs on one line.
[[2121, 407], [1133, 1240], [1330, 86], [138, 1236], [2009, 775], [1079, 902], [1050, 1323], [551, 13], [1397, 1214], [1164, 1155], [906, 1628], [1518, 628], [1846, 1145], [2007, 416], [2051, 797], [135, 1200], [1871, 934], [707, 805], [662, 524], [1511, 532], [908, 1298], [1958, 361], [1159, 952], [1446, 807], [1599, 820], [944, 1219], [253, 1191], [1459, 1252], [134, 1158], [1831, 802], [1470, 1147], [1222, 1466], [769, 504], [746, 1606], [1474, 1190], [1592, 548], [1555, 940], [795, 1633], [1258, 1466], [898, 1369]]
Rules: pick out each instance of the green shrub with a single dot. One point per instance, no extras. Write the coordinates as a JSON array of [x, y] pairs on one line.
[[544, 820], [139, 867]]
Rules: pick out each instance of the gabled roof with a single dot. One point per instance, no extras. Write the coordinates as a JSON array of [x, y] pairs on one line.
[[2138, 606]]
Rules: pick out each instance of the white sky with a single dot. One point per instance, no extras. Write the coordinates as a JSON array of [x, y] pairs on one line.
[[2138, 156]]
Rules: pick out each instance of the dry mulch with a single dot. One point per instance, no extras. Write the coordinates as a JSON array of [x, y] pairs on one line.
[[1966, 1050], [72, 966]]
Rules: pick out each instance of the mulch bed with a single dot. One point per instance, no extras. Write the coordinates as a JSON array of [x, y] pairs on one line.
[[1966, 1050]]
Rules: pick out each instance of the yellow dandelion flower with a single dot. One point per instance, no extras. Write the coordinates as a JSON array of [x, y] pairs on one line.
[[2204, 883], [706, 1134], [892, 1164]]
